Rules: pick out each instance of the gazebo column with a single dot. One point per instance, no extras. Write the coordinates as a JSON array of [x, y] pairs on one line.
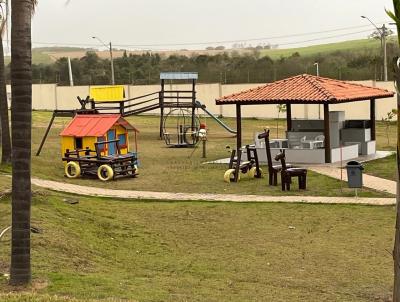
[[288, 117], [372, 118], [238, 127], [327, 134]]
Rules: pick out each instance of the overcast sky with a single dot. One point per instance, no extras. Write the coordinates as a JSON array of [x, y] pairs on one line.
[[157, 24]]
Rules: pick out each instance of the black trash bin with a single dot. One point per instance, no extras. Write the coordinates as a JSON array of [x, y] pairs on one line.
[[354, 174]]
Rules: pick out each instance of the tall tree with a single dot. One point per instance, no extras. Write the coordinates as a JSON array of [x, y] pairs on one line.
[[5, 128], [395, 15], [21, 119]]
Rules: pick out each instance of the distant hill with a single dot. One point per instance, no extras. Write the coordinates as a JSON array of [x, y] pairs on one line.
[[356, 45], [48, 55]]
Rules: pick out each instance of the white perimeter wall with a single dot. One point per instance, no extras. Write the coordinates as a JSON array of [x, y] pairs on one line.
[[51, 96]]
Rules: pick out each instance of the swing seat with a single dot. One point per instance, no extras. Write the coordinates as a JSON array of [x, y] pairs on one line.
[[182, 132]]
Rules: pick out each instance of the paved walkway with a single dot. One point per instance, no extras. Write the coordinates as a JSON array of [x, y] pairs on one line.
[[369, 181], [92, 191]]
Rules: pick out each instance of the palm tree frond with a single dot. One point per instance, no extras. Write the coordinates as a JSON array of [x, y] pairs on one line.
[[395, 16], [392, 16], [34, 4]]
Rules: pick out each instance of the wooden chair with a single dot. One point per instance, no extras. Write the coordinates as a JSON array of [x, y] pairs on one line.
[[288, 173], [272, 169]]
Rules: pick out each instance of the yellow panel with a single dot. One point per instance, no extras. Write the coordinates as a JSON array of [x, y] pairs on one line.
[[107, 93], [67, 142], [119, 129], [88, 142]]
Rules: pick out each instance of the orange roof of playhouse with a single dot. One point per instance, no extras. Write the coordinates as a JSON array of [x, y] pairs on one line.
[[94, 125], [305, 88]]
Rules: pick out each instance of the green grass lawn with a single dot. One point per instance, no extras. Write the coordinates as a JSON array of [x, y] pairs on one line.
[[386, 138], [369, 45], [385, 167], [178, 170], [204, 251]]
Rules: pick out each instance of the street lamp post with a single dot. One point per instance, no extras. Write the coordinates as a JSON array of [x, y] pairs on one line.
[[317, 64], [382, 33], [111, 58]]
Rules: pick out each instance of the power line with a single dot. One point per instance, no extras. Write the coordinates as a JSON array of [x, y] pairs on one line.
[[226, 41], [325, 38], [249, 40]]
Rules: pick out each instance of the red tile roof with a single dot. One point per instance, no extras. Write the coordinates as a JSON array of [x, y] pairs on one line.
[[94, 125], [305, 88]]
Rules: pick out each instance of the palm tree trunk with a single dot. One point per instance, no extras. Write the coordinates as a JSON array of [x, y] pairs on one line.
[[5, 128], [396, 249], [395, 15], [21, 119]]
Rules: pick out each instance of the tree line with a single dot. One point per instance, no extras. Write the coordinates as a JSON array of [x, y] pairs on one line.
[[232, 68]]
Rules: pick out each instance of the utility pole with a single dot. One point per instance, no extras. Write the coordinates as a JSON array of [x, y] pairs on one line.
[[382, 33], [71, 79], [112, 66], [111, 58], [385, 67]]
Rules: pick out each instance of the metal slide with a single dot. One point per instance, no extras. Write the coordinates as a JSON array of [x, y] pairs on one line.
[[225, 126]]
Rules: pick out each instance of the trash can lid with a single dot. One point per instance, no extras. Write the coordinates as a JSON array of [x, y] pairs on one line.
[[353, 163]]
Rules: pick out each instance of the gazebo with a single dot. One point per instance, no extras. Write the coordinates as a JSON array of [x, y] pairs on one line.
[[307, 89]]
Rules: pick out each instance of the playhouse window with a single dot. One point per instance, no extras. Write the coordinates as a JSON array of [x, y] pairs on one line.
[[78, 143], [102, 147], [122, 140]]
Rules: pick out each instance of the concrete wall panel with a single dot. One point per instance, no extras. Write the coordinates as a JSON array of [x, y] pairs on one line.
[[66, 97], [43, 97], [50, 97]]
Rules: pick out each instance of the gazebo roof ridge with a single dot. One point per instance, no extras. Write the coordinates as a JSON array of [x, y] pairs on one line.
[[314, 81], [303, 89]]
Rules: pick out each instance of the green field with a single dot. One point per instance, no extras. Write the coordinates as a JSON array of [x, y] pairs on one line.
[[366, 45], [38, 57], [165, 169], [203, 251]]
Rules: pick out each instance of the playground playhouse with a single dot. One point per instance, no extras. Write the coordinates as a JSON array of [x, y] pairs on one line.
[[98, 145], [87, 129]]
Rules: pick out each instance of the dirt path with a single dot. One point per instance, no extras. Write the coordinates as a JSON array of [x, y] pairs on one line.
[[126, 194]]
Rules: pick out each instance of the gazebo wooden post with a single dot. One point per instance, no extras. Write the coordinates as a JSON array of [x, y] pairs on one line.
[[372, 118], [327, 134], [288, 117], [238, 127], [161, 103]]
